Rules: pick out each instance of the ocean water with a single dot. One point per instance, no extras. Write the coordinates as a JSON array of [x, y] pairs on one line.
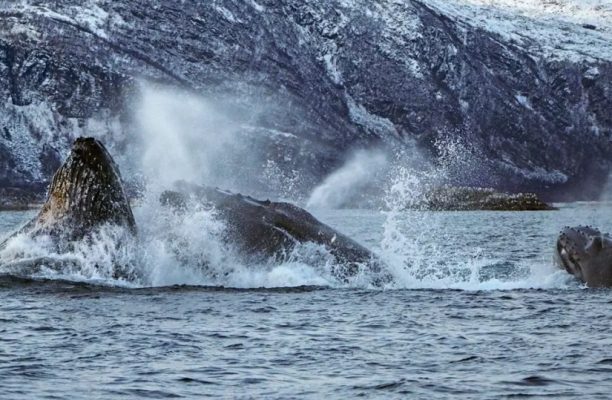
[[476, 310]]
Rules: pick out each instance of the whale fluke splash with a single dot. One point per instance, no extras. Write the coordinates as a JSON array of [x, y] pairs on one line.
[[86, 193], [270, 230], [586, 253]]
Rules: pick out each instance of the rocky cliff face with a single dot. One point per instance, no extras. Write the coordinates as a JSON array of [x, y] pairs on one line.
[[333, 76]]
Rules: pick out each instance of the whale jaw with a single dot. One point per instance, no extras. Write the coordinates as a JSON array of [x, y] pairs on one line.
[[585, 253], [85, 192]]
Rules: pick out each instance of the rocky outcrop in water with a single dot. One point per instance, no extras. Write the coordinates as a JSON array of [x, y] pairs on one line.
[[332, 76], [469, 199], [19, 199]]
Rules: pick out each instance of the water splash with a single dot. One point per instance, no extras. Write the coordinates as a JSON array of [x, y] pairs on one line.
[[423, 254], [187, 138], [96, 259], [190, 248]]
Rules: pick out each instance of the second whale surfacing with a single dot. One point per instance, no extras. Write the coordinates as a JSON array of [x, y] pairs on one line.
[[267, 230], [586, 253], [85, 195]]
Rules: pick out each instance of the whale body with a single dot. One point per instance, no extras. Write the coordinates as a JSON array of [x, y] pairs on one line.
[[270, 230]]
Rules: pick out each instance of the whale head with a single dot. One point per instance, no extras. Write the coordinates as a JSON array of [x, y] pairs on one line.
[[85, 192], [85, 197], [585, 253]]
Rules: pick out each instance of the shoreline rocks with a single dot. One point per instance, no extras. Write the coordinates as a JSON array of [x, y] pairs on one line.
[[450, 198], [19, 199]]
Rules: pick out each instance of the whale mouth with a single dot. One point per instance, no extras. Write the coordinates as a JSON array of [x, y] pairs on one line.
[[573, 249], [586, 253], [567, 259], [87, 190]]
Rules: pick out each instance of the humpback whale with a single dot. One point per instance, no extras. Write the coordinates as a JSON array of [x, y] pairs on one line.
[[270, 230], [586, 253], [85, 194]]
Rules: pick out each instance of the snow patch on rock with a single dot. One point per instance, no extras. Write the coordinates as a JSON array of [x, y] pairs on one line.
[[561, 29], [536, 173], [376, 124], [90, 14]]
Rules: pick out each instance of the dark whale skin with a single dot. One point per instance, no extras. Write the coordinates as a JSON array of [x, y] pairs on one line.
[[586, 253], [86, 192], [267, 229]]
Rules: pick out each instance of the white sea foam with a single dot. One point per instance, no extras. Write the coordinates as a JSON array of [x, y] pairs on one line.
[[419, 249], [94, 259], [423, 253], [188, 248]]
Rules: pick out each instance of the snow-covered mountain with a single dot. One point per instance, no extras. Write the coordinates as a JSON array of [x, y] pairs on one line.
[[560, 29], [524, 84]]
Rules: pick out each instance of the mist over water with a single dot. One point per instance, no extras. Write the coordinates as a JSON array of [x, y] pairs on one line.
[[346, 183], [185, 137]]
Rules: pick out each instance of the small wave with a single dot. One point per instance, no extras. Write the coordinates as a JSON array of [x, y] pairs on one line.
[[86, 287], [534, 380], [196, 381], [383, 386]]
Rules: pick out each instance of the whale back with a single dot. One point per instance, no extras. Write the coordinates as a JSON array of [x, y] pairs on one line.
[[272, 229]]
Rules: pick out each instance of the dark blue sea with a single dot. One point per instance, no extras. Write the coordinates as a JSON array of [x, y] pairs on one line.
[[477, 310]]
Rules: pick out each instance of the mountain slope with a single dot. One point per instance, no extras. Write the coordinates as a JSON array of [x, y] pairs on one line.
[[328, 76]]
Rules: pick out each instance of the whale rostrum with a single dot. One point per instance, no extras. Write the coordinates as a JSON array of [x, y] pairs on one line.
[[86, 192], [264, 230]]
